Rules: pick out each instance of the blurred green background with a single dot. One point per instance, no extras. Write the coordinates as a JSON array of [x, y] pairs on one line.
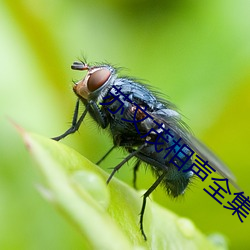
[[195, 52]]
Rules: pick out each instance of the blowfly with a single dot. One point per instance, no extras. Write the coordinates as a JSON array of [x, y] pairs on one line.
[[148, 127]]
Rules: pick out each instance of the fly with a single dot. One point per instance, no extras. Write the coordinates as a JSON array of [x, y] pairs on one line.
[[148, 127]]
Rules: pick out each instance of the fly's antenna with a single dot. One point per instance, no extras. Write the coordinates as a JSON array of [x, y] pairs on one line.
[[80, 66]]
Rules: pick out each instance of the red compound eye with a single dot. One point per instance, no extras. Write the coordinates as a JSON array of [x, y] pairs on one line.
[[97, 79]]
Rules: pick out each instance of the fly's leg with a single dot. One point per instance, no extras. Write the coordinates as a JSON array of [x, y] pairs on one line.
[[91, 107], [75, 124], [145, 196], [105, 155], [124, 161], [135, 169], [97, 113], [124, 144]]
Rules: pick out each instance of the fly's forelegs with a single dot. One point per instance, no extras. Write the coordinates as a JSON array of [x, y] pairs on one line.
[[75, 123]]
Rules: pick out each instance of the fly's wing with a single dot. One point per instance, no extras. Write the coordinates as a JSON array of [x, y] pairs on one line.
[[207, 154], [171, 119]]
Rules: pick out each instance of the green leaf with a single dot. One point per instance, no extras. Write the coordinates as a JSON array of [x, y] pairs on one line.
[[107, 215]]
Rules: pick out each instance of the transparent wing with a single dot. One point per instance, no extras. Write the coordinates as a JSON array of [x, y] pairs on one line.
[[172, 120], [207, 154]]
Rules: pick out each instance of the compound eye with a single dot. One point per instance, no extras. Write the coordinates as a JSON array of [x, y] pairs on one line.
[[97, 79]]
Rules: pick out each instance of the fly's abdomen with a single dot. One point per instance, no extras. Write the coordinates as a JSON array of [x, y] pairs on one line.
[[165, 153]]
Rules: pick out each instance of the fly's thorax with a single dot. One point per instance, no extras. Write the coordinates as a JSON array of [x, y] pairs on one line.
[[97, 79]]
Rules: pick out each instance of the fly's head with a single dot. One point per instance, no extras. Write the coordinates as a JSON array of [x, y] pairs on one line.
[[95, 80]]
